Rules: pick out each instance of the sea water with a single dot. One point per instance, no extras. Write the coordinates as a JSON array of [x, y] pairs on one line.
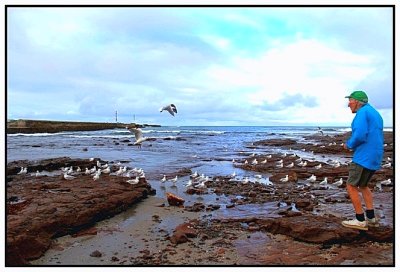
[[203, 148]]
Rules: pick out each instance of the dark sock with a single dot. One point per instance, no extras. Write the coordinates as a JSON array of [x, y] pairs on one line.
[[360, 217], [370, 214]]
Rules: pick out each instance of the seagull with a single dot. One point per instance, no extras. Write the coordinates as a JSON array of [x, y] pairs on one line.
[[174, 180], [189, 184], [164, 179], [201, 185], [312, 178], [339, 182], [170, 108], [378, 185], [194, 175], [133, 181], [285, 179], [290, 165], [38, 174], [93, 169], [264, 161], [120, 171], [68, 177], [387, 165], [324, 182], [22, 171], [254, 162], [70, 170], [320, 131], [87, 171], [96, 176], [107, 170], [318, 166], [138, 135], [293, 207], [386, 182]]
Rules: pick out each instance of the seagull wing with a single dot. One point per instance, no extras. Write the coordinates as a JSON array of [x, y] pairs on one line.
[[137, 131], [173, 107], [170, 109]]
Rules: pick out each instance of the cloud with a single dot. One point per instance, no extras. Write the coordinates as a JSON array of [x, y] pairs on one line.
[[293, 100], [218, 65]]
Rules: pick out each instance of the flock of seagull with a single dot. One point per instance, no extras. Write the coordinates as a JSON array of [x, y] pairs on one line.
[[69, 173]]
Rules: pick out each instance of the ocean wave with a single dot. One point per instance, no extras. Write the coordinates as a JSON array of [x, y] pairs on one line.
[[44, 134], [161, 131]]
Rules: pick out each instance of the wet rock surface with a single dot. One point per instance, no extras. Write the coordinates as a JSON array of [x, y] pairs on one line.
[[48, 206]]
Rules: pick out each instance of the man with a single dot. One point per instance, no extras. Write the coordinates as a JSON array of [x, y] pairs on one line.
[[367, 143]]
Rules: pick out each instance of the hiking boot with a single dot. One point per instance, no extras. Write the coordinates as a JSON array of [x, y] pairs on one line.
[[355, 224], [373, 222]]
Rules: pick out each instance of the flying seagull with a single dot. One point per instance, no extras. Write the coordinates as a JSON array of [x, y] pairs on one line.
[[170, 108], [138, 135]]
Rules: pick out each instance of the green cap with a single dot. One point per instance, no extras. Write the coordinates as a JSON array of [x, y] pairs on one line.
[[358, 95]]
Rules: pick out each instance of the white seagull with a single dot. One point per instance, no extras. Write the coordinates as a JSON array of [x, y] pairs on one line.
[[293, 207], [96, 176], [290, 165], [68, 177], [386, 182], [264, 161], [171, 108], [339, 182], [138, 135], [285, 179], [133, 181], [324, 182], [23, 171], [312, 178]]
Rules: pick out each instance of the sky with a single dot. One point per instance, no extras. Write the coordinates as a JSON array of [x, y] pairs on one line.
[[225, 66]]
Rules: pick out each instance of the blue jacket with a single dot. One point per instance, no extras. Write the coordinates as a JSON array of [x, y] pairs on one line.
[[367, 138]]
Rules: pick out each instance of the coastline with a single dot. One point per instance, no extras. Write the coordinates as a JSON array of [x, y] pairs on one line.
[[47, 126]]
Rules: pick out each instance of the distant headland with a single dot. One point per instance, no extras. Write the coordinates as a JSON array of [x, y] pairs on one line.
[[46, 126]]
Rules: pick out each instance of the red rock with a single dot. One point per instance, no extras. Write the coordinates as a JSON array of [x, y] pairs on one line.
[[182, 233], [174, 200], [52, 207]]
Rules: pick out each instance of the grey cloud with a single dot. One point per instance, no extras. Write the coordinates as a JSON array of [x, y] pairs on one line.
[[288, 101], [379, 88]]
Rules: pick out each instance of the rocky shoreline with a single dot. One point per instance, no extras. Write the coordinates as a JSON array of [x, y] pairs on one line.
[[300, 224], [41, 208]]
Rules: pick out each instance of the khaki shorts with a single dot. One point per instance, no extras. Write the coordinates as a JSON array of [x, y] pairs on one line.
[[358, 175]]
